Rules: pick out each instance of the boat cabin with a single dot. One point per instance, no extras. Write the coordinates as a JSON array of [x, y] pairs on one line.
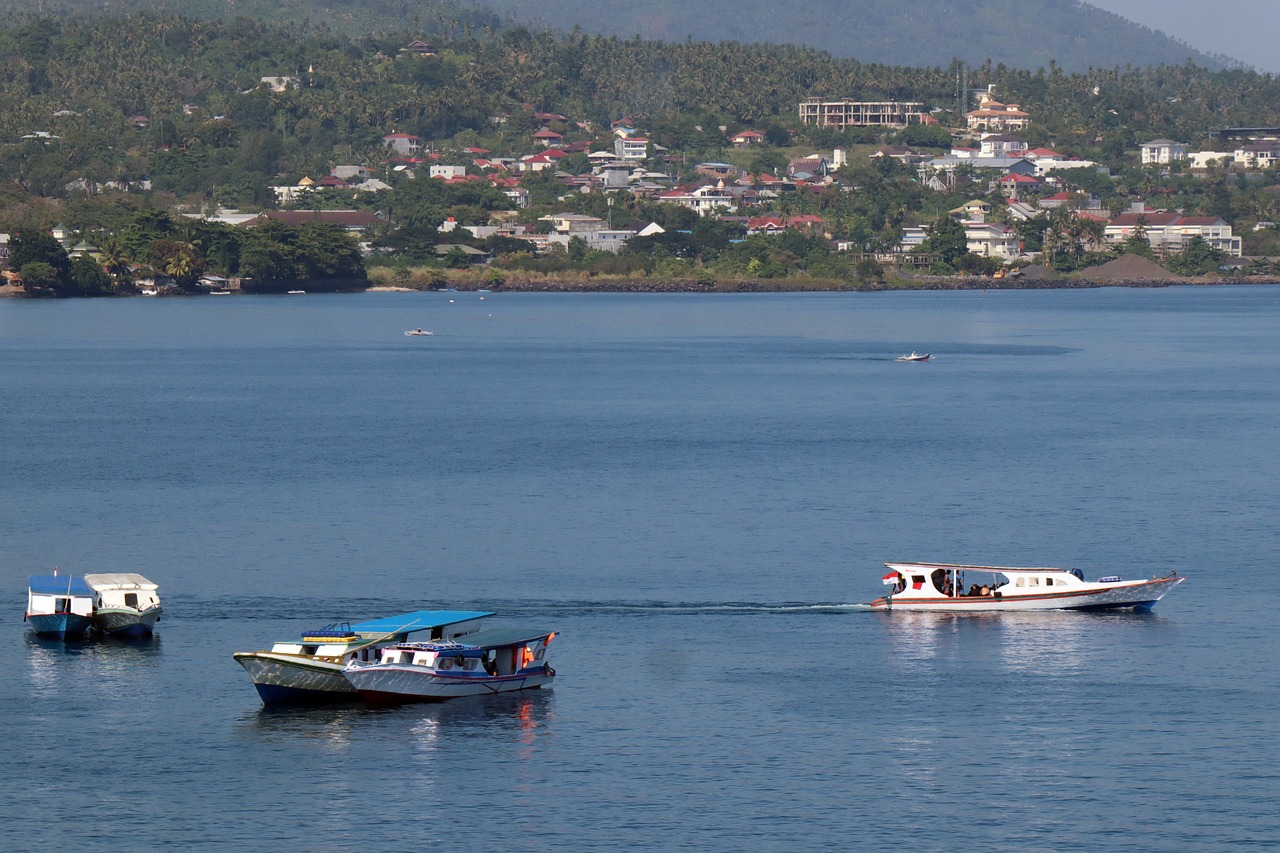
[[963, 581], [497, 652], [51, 595], [123, 589], [361, 641]]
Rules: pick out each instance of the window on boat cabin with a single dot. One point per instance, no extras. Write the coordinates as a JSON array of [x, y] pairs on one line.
[[309, 650], [1020, 582], [444, 663], [62, 605], [470, 665], [1048, 581], [131, 599]]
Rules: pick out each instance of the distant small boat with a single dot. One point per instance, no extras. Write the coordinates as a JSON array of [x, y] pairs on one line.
[[296, 291], [59, 605], [219, 292], [498, 660], [149, 291], [914, 356], [127, 605], [419, 333]]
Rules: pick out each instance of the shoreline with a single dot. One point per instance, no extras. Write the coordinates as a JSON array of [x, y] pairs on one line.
[[776, 286], [647, 285]]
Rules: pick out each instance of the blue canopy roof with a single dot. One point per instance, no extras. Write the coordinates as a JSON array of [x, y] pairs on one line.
[[497, 638], [418, 620], [58, 585]]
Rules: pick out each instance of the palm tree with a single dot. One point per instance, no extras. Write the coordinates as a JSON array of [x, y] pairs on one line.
[[115, 259]]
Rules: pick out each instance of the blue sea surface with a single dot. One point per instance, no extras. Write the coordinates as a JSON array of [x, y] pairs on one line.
[[698, 492]]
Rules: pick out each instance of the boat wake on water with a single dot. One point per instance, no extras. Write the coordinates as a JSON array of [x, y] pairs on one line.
[[700, 608], [276, 609]]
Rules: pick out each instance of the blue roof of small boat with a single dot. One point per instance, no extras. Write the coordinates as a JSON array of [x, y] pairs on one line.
[[496, 638], [418, 620], [58, 585]]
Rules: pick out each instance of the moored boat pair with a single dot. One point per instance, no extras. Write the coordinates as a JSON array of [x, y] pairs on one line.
[[122, 604], [422, 656]]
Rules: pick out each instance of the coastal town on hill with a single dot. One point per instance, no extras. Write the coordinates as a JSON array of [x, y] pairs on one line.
[[838, 194]]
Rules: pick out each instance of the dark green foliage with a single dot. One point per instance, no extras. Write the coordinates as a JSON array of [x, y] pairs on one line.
[[1197, 258], [971, 264], [275, 252], [37, 247], [925, 136], [947, 240], [88, 277], [39, 276]]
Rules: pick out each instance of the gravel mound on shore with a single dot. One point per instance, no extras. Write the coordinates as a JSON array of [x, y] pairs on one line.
[[1128, 268], [1036, 272]]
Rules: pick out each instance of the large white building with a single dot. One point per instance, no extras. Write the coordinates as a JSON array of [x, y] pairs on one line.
[[1163, 152], [849, 113]]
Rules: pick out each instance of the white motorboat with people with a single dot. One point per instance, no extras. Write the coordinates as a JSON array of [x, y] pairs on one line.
[[419, 333], [956, 588], [127, 604], [496, 660], [310, 669], [914, 356]]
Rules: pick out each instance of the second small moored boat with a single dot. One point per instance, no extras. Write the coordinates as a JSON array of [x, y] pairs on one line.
[[498, 660], [127, 604]]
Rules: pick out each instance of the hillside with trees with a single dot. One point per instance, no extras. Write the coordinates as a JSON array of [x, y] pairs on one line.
[[112, 127], [1029, 34]]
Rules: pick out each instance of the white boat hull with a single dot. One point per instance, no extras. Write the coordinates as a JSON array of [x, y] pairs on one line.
[[1094, 596], [390, 684], [295, 678], [126, 621]]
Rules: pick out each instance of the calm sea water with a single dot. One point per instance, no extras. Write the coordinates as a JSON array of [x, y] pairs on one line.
[[697, 491]]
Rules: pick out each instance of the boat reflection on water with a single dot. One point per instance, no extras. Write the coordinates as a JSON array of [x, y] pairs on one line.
[[113, 664], [1044, 643], [423, 726]]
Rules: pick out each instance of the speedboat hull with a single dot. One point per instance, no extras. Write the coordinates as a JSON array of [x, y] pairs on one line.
[[63, 625], [126, 621], [390, 684], [284, 678], [1137, 595]]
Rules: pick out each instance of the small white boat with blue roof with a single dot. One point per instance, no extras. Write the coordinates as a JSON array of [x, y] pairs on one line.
[[59, 605], [310, 669], [496, 660]]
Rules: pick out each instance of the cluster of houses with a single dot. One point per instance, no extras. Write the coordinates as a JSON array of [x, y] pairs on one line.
[[1028, 177]]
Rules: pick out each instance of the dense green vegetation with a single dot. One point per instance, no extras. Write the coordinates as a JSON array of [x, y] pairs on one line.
[[1027, 34], [103, 122]]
